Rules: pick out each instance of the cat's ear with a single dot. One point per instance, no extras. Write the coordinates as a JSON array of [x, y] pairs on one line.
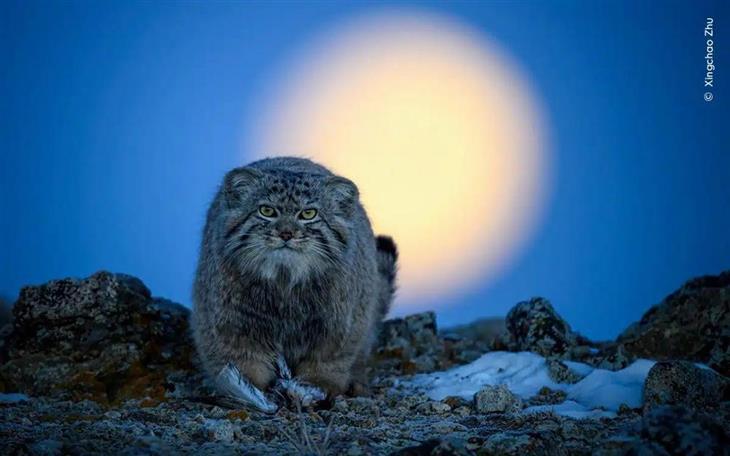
[[344, 192], [239, 181]]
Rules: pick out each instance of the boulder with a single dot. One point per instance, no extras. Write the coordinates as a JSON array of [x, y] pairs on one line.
[[693, 323], [535, 326], [103, 338], [683, 383], [107, 339]]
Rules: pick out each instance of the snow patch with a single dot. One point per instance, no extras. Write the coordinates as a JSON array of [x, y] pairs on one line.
[[609, 389], [598, 394]]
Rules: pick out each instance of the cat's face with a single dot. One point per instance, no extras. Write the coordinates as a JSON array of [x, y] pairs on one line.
[[286, 225]]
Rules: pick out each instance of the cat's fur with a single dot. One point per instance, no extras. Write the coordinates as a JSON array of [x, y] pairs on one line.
[[318, 304]]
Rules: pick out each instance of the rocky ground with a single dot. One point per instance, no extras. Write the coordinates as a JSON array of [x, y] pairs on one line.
[[104, 367]]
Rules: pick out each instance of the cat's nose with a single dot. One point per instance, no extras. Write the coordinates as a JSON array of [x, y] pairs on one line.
[[286, 235]]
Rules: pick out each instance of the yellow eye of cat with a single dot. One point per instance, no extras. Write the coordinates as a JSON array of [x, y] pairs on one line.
[[308, 214], [267, 211]]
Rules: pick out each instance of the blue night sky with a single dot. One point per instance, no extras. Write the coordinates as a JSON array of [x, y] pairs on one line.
[[119, 119]]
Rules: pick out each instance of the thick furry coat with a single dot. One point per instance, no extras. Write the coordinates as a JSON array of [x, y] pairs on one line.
[[271, 281]]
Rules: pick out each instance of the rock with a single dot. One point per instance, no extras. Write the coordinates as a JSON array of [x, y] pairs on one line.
[[547, 396], [683, 383], [468, 342], [693, 323], [219, 430], [614, 357], [365, 405], [433, 407], [410, 345], [411, 401], [456, 402], [110, 370], [413, 345], [483, 330], [561, 373], [535, 326], [491, 399], [681, 431], [102, 338]]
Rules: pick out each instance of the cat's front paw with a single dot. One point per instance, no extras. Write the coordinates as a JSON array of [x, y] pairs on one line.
[[299, 393]]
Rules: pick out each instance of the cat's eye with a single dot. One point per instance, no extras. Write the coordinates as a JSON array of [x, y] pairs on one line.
[[267, 211], [308, 214]]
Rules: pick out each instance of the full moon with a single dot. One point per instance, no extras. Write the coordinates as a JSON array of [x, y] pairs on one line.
[[439, 129]]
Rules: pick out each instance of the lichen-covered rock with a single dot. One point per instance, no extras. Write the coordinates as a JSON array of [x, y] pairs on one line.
[[535, 326], [496, 399], [102, 338], [468, 342], [559, 372], [546, 396], [612, 357], [693, 323], [110, 370], [683, 383], [409, 345]]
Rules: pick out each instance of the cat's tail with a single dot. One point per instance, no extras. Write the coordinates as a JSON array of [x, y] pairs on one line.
[[387, 256]]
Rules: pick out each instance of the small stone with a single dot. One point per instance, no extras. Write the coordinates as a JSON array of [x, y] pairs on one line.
[[547, 396], [462, 411], [496, 399], [617, 359], [413, 400], [456, 401], [559, 372], [220, 430], [433, 407], [216, 412], [113, 415], [340, 405], [448, 427]]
